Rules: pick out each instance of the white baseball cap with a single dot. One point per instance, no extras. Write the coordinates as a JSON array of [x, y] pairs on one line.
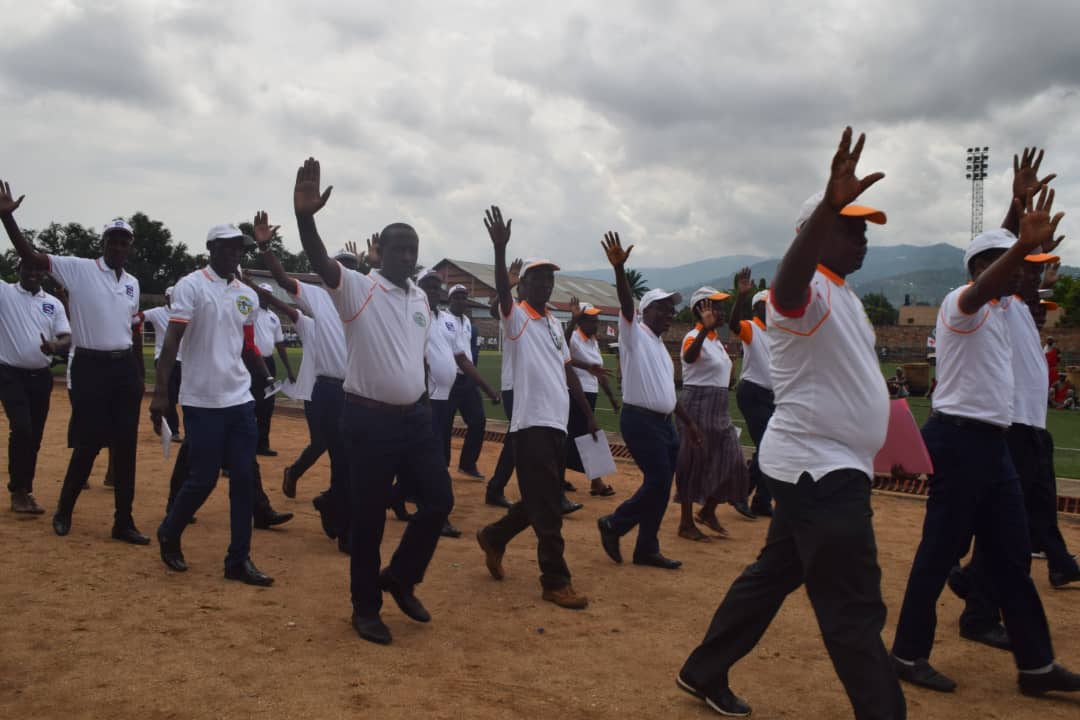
[[995, 239], [759, 296], [706, 293], [458, 288], [224, 232], [657, 294], [860, 211], [115, 225], [533, 263], [430, 273], [589, 309]]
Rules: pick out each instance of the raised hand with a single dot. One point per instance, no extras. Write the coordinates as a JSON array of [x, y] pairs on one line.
[[307, 200], [1052, 245], [575, 308], [8, 203], [710, 316], [844, 185], [614, 250], [264, 232], [372, 255], [744, 283], [1036, 226], [498, 231], [515, 271], [1026, 173], [1051, 272], [350, 247]]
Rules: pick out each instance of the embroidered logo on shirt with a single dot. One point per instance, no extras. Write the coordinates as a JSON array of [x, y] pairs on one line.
[[449, 326], [420, 319], [244, 305], [48, 309], [130, 290]]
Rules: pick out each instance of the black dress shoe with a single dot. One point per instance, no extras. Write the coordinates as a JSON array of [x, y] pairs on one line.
[[247, 572], [170, 553], [266, 452], [923, 674], [497, 501], [743, 509], [265, 521], [568, 486], [761, 509], [474, 473], [569, 506], [722, 701], [404, 597], [372, 629], [288, 483], [1058, 679], [449, 530], [322, 505], [996, 636], [609, 539], [657, 560], [130, 535], [61, 524], [1061, 579]]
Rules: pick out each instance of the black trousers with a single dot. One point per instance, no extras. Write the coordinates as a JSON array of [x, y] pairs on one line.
[[25, 397], [504, 468], [106, 392], [264, 407], [539, 453], [822, 535], [465, 398], [756, 403], [577, 425], [974, 492], [316, 443], [182, 470]]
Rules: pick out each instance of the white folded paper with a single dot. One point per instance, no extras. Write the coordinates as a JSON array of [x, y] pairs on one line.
[[595, 455], [273, 389], [166, 437]]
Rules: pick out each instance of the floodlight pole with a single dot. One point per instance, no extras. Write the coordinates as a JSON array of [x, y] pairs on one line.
[[977, 163]]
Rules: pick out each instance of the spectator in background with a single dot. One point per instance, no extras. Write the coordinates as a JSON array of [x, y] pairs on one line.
[[1060, 391], [899, 385], [1053, 357]]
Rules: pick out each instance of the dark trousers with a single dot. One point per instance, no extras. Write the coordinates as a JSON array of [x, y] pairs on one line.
[[974, 492], [756, 403], [261, 507], [653, 442], [1032, 452], [170, 415], [538, 454], [578, 425], [465, 397], [442, 424], [264, 407], [821, 534], [383, 443], [105, 396], [25, 397], [316, 444], [504, 468], [327, 404], [217, 438]]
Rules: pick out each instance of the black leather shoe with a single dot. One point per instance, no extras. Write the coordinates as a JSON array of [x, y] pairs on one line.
[[1058, 679], [170, 554], [266, 452], [609, 539], [743, 509], [761, 509], [497, 501], [404, 597], [247, 572], [569, 506], [61, 524], [449, 530], [288, 483], [657, 560], [321, 502], [130, 535], [568, 486], [473, 473], [996, 636], [722, 701], [372, 629], [271, 518], [1061, 579], [924, 675]]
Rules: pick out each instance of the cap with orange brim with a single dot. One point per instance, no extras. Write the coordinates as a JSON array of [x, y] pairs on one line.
[[1042, 258]]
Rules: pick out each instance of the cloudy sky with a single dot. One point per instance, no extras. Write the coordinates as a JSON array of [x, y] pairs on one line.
[[695, 127]]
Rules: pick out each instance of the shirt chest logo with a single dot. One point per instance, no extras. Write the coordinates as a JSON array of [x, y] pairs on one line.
[[420, 318], [449, 326], [244, 305], [129, 290], [48, 308]]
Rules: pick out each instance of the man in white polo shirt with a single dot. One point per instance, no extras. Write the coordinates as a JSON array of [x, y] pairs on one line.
[[387, 418], [107, 369], [268, 336], [542, 374], [464, 397], [832, 412], [648, 386], [33, 328], [158, 317], [213, 314], [975, 490]]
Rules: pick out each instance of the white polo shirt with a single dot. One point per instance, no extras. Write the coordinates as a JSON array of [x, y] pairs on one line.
[[24, 319], [386, 331], [1030, 370], [832, 405], [974, 362], [327, 339], [440, 352], [586, 349], [267, 331], [101, 305], [305, 377], [216, 312], [462, 329], [506, 371], [648, 375], [756, 356], [159, 318], [713, 365], [539, 354]]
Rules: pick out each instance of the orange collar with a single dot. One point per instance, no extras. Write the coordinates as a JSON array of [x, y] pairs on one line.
[[757, 321], [836, 279], [584, 337], [712, 333], [530, 311]]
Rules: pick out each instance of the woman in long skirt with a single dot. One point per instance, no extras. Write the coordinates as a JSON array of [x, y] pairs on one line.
[[714, 473]]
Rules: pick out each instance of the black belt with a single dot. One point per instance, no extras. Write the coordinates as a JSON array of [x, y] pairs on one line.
[[329, 379], [966, 422], [104, 354], [646, 411], [26, 371], [379, 405]]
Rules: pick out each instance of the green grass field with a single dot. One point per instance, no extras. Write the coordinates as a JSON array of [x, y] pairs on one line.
[[1063, 424]]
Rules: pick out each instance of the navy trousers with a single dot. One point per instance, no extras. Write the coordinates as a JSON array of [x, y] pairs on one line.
[[654, 443]]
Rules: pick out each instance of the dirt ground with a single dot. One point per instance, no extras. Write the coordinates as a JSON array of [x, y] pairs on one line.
[[92, 628]]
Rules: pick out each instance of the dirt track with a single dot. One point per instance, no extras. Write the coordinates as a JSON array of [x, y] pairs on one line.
[[93, 628]]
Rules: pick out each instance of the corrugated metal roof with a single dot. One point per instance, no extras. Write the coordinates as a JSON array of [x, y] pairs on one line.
[[600, 293]]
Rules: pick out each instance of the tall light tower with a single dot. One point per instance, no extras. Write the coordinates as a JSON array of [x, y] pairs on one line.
[[978, 162]]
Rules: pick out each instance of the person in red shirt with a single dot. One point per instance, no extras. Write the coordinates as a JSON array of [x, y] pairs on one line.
[[1053, 357]]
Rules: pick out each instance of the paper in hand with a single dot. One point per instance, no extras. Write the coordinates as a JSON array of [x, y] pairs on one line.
[[166, 437], [291, 390], [273, 389], [595, 455]]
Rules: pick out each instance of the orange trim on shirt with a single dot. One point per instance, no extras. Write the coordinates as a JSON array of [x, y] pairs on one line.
[[533, 315], [746, 331], [837, 280], [811, 331], [793, 313], [712, 333], [178, 320], [757, 321], [963, 332], [583, 335], [371, 294]]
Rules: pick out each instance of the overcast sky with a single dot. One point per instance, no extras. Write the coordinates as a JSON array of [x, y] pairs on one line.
[[696, 128]]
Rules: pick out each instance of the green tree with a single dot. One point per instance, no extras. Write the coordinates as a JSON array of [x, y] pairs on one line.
[[1067, 295], [292, 262], [637, 283], [879, 309], [156, 261], [70, 239]]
